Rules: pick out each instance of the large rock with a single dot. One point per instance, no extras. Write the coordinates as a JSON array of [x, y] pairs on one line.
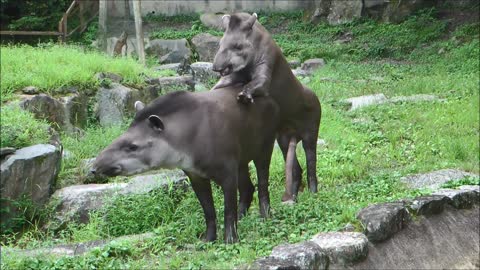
[[393, 11], [169, 51], [355, 103], [77, 202], [30, 172], [306, 255], [435, 179], [460, 198], [343, 248], [429, 205], [114, 104], [66, 113], [174, 83], [202, 72], [270, 263], [206, 45], [383, 220], [414, 98], [212, 20], [311, 65], [342, 11]]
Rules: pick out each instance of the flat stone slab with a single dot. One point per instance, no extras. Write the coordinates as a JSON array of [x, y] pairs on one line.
[[270, 263], [460, 198], [355, 103], [306, 255], [145, 183], [343, 248], [435, 179], [6, 151], [429, 205], [381, 221], [415, 98]]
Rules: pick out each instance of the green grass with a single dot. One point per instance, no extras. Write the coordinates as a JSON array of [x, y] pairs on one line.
[[51, 66], [18, 128], [361, 164]]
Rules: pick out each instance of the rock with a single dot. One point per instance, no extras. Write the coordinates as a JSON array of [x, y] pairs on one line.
[[321, 12], [348, 228], [108, 75], [150, 92], [5, 151], [414, 98], [173, 66], [30, 172], [435, 179], [321, 143], [306, 255], [169, 51], [269, 263], [381, 221], [311, 65], [343, 248], [65, 90], [429, 205], [473, 188], [145, 183], [211, 20], [206, 45], [344, 11], [202, 72], [65, 113], [113, 104], [175, 83], [362, 101], [30, 90], [294, 63], [460, 198], [300, 72], [390, 11]]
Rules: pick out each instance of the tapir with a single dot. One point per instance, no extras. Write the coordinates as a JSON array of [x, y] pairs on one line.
[[249, 56], [210, 137]]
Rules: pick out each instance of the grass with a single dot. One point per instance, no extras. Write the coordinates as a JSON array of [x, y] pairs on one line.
[[51, 66], [367, 150], [19, 128]]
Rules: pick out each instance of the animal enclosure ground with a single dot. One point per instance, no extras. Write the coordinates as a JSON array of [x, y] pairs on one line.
[[367, 150]]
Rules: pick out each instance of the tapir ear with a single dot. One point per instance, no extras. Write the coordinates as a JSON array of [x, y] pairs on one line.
[[225, 21], [251, 21], [139, 106], [155, 122]]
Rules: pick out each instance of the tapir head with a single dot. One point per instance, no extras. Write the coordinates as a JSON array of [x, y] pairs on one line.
[[142, 147], [236, 50]]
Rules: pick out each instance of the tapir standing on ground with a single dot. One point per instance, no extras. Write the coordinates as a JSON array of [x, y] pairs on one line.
[[209, 136], [248, 55]]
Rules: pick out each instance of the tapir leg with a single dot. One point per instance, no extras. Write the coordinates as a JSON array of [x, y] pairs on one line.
[[310, 147], [246, 189], [284, 141], [203, 190], [291, 187], [262, 163], [229, 186]]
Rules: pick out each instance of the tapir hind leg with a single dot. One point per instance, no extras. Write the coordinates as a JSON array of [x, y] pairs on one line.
[[203, 189], [246, 189], [229, 186], [262, 163]]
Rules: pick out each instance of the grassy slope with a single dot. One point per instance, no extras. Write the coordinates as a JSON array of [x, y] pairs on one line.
[[361, 164]]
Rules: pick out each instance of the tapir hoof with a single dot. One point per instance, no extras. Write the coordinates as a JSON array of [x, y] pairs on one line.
[[245, 98], [288, 199], [288, 202]]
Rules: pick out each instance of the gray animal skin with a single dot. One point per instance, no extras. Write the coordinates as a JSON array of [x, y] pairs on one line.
[[248, 55], [209, 136]]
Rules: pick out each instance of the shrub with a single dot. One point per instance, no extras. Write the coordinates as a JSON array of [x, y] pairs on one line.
[[20, 129]]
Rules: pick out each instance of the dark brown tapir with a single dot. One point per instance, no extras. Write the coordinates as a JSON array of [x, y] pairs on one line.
[[209, 136], [247, 54]]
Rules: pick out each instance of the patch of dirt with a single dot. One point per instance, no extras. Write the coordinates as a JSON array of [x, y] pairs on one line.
[[456, 18]]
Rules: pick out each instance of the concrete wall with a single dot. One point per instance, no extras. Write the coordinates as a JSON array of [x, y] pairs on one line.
[[116, 8]]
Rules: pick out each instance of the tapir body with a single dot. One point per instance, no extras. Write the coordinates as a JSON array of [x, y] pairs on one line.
[[248, 55], [209, 136]]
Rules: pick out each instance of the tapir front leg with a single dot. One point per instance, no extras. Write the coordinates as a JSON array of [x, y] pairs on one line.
[[229, 187], [258, 86], [203, 189]]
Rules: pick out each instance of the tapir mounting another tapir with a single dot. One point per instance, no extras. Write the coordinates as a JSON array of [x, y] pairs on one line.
[[248, 55], [208, 135]]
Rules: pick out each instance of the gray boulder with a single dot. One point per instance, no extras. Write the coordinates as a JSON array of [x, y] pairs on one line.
[[143, 184], [114, 104], [294, 63], [343, 248], [460, 198], [169, 51], [414, 98], [383, 220], [202, 72], [306, 255], [30, 172], [355, 103], [206, 45], [344, 11], [174, 83], [270, 263], [5, 151], [30, 90], [389, 11], [298, 72], [110, 76], [212, 20], [435, 179], [67, 113], [311, 65], [429, 205]]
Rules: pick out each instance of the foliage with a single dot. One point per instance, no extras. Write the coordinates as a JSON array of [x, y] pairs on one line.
[[18, 128], [49, 66], [461, 182]]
